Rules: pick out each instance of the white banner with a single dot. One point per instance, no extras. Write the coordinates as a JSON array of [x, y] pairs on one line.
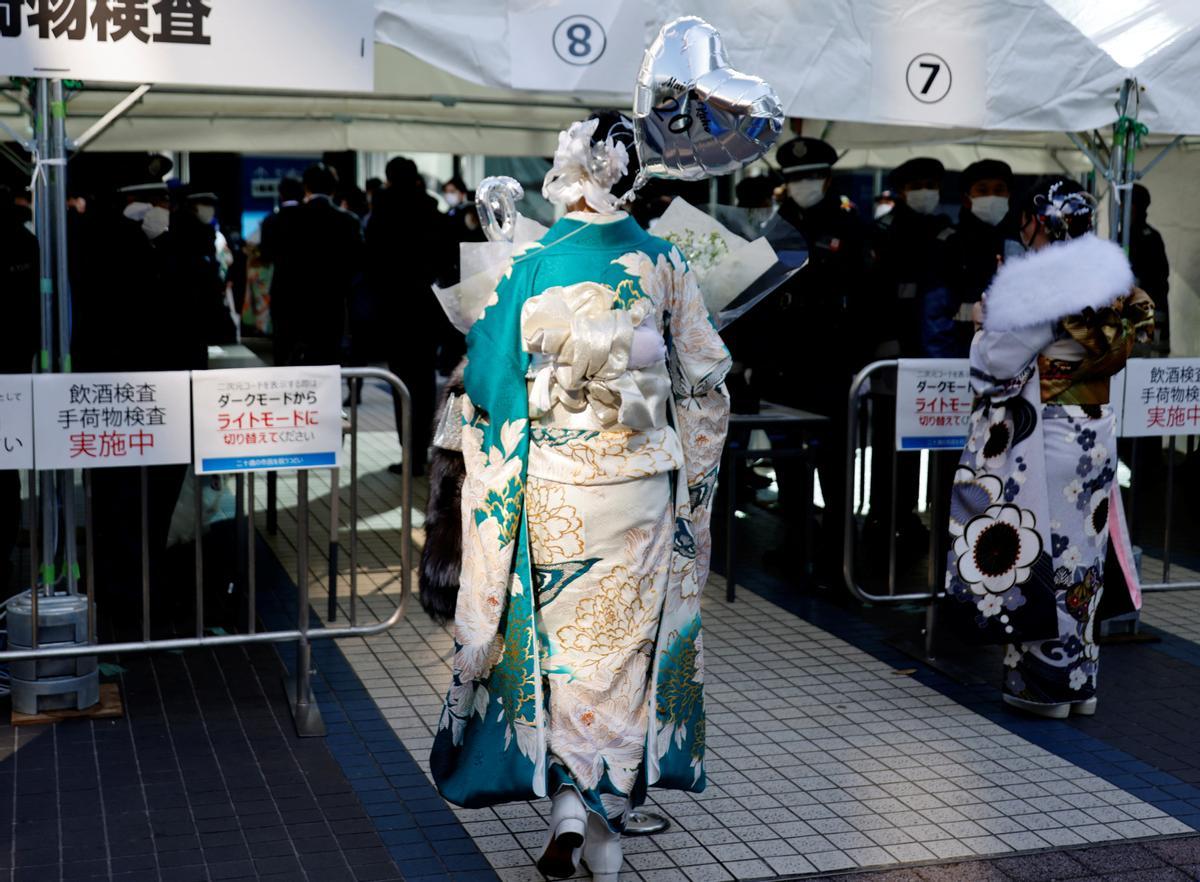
[[579, 45], [1162, 397], [277, 44], [91, 421], [267, 419], [929, 76], [933, 403], [16, 421]]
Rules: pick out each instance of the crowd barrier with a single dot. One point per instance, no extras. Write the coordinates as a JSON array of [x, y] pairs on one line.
[[307, 717], [872, 390]]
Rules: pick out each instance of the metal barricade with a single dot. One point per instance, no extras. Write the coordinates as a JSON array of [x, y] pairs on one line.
[[857, 471], [857, 405], [1168, 509], [307, 717]]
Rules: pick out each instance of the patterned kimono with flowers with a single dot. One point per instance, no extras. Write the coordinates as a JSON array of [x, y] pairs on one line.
[[578, 651], [1034, 499]]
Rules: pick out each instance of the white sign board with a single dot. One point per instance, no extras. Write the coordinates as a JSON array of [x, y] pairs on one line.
[[575, 44], [929, 76], [1162, 397], [933, 403], [91, 421], [278, 44], [16, 421], [267, 419]]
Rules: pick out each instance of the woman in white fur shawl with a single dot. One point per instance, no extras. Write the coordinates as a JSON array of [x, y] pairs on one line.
[[1034, 501]]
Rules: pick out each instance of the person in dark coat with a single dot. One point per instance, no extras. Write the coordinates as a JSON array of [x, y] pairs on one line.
[[134, 265], [803, 344], [19, 334], [192, 291], [410, 245], [977, 246], [277, 229], [1148, 256], [917, 308], [318, 254]]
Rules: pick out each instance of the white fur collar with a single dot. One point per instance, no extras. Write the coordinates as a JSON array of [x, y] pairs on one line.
[[1059, 280]]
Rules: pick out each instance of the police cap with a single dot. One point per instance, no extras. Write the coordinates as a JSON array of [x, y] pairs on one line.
[[802, 157], [918, 168], [986, 170]]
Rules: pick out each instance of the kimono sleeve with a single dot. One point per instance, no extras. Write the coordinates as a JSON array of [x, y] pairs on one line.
[[698, 363], [999, 357]]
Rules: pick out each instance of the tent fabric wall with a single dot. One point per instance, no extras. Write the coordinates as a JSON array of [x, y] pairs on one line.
[[1051, 65]]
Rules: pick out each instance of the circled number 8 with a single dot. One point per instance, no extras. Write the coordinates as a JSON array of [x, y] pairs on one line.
[[579, 40]]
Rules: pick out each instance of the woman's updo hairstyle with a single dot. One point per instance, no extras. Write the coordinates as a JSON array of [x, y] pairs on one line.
[[1062, 207], [619, 127]]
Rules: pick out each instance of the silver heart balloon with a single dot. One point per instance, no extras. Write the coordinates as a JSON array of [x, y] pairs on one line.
[[496, 204], [694, 116]]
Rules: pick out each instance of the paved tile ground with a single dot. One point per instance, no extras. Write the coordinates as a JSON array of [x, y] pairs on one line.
[[823, 757], [203, 779], [831, 754], [1168, 860]]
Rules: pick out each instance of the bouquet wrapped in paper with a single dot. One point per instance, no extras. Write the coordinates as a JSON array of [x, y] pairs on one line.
[[734, 273], [482, 264]]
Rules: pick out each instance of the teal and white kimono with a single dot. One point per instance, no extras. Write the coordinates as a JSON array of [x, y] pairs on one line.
[[586, 544]]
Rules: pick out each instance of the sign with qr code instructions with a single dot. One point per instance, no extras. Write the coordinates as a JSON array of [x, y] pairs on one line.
[[267, 419], [933, 403]]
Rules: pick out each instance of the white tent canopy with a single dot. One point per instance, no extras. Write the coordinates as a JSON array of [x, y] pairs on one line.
[[1040, 65]]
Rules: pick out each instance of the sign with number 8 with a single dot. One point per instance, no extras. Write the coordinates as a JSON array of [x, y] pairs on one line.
[[580, 40]]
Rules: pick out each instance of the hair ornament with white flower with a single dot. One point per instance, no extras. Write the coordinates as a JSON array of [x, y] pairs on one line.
[[588, 168]]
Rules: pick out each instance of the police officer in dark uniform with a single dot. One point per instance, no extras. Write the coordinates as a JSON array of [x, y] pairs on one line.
[[917, 309], [804, 343], [1148, 257], [977, 245]]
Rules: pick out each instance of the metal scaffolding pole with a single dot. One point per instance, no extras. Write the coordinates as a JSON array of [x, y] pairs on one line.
[[56, 175], [44, 227]]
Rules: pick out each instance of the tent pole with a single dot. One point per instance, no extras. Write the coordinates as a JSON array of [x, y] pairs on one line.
[[1083, 147], [1116, 167], [56, 175], [100, 126], [1160, 156], [43, 221], [1128, 172], [21, 142]]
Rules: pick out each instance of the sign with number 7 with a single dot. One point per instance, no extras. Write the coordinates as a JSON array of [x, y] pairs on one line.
[[929, 77]]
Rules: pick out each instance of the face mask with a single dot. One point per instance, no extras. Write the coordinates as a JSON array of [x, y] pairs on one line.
[[806, 193], [452, 199], [883, 209], [206, 213], [923, 201], [135, 211], [989, 209], [155, 222]]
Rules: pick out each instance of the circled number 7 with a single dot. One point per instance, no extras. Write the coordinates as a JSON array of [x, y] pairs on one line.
[[933, 72]]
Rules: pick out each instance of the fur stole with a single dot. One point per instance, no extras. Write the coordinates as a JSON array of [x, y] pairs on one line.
[[441, 558], [1060, 280]]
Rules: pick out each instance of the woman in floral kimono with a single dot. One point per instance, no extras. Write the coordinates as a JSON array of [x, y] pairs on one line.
[[1034, 502], [592, 425]]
